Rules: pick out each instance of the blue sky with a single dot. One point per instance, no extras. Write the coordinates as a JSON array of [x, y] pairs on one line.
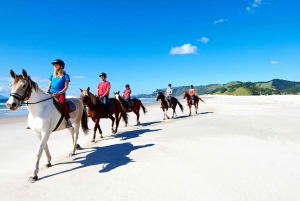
[[149, 44]]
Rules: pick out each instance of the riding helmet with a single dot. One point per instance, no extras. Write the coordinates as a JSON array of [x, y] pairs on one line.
[[103, 74], [127, 85], [192, 86], [169, 85], [59, 62]]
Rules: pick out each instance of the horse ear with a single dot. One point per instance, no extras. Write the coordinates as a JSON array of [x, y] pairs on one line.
[[118, 92], [24, 73], [13, 74], [88, 89], [80, 90]]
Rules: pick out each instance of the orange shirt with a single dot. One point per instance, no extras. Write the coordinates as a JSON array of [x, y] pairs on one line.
[[192, 92]]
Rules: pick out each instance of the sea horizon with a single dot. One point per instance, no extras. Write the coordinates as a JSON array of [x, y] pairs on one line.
[[5, 112]]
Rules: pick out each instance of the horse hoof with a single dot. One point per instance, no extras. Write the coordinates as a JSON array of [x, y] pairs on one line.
[[78, 147], [92, 140], [33, 179], [138, 123], [48, 165], [71, 154]]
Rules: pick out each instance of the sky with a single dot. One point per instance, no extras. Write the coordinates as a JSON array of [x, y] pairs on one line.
[[149, 44]]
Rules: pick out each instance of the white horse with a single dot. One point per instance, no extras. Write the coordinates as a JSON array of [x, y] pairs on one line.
[[44, 117]]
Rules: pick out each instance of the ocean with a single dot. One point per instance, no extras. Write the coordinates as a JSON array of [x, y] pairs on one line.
[[5, 112]]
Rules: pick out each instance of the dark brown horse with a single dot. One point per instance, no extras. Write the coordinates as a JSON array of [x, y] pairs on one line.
[[96, 111], [164, 104], [191, 102], [135, 108]]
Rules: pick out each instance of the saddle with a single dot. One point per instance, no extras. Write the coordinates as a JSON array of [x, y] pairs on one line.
[[71, 106], [69, 102]]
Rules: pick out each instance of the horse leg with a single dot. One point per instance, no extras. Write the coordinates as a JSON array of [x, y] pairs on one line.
[[74, 131], [44, 136], [47, 152], [190, 106], [112, 123], [117, 122], [196, 107], [137, 113], [95, 129], [120, 116], [100, 131]]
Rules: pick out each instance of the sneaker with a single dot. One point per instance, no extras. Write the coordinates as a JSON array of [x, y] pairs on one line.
[[69, 124]]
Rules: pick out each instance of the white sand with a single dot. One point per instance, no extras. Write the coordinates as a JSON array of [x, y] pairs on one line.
[[237, 148]]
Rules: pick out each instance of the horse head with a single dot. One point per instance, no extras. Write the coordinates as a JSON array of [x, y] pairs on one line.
[[21, 89], [85, 96], [185, 94], [117, 95], [159, 95]]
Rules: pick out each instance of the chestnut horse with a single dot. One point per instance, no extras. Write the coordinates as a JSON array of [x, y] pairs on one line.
[[96, 111], [135, 108], [191, 102], [44, 117], [164, 104]]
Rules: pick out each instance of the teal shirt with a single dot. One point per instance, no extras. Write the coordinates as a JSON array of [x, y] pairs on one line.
[[58, 83]]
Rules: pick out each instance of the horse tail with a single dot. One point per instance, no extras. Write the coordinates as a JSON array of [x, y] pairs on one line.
[[124, 114], [201, 99], [144, 109], [84, 122], [180, 106]]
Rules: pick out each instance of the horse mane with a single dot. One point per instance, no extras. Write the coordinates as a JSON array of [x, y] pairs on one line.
[[34, 85], [93, 98], [187, 94]]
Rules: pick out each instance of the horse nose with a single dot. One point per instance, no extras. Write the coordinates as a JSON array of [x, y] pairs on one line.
[[11, 105]]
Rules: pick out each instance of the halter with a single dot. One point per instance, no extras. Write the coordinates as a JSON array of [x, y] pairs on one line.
[[27, 94]]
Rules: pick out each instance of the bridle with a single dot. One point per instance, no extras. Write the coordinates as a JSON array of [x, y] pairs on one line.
[[89, 99], [27, 94]]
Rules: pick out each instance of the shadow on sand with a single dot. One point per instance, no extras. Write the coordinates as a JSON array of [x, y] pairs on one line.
[[108, 157], [134, 134]]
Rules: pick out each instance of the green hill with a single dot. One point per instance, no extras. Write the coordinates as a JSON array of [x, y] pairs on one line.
[[237, 88], [275, 86]]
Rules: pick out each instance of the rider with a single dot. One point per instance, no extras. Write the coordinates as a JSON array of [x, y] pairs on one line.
[[168, 93], [192, 92], [126, 95], [103, 92], [58, 85]]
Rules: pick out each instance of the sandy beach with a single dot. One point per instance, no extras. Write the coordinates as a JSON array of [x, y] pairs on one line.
[[235, 148]]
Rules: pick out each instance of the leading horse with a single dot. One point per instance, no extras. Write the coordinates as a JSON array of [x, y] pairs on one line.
[[44, 117], [135, 108], [191, 102], [96, 111], [164, 104]]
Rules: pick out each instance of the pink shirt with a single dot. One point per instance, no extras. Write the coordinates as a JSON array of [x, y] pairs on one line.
[[127, 93], [102, 88]]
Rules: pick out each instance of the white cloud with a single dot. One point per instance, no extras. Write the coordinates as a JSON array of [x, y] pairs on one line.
[[8, 79], [4, 88], [39, 79], [203, 40], [296, 76], [219, 21], [184, 49], [79, 77], [253, 5], [276, 62]]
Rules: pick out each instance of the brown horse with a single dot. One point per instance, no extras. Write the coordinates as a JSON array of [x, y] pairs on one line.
[[164, 104], [96, 111], [135, 108], [191, 102]]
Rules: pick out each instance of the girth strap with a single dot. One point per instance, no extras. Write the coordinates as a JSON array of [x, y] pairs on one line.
[[58, 107]]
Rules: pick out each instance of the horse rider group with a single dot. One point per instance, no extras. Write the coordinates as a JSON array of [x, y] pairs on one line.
[[169, 93], [59, 83]]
